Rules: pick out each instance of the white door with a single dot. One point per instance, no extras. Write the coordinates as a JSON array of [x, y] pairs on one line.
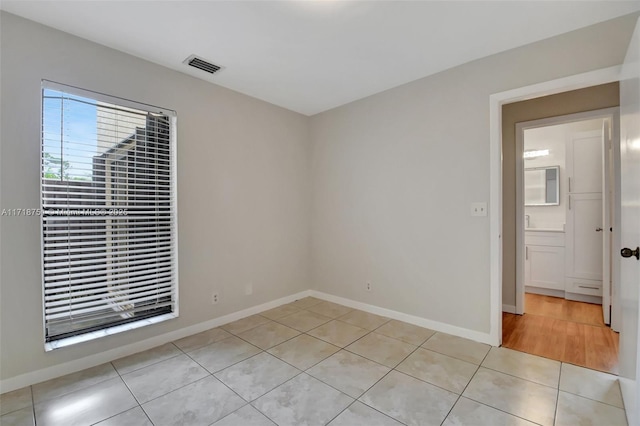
[[584, 162], [588, 215], [607, 198], [584, 236], [630, 225]]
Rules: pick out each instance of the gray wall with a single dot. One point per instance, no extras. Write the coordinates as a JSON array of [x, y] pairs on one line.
[[394, 176], [243, 188]]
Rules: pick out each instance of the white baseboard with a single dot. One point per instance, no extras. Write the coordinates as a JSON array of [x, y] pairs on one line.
[[545, 291], [411, 319], [510, 309], [52, 372], [596, 300]]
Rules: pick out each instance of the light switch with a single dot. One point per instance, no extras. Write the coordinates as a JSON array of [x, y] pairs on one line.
[[478, 209]]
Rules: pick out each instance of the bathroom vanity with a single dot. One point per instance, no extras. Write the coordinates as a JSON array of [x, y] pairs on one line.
[[544, 261], [549, 268]]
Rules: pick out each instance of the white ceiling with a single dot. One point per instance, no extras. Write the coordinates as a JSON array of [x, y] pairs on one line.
[[310, 56]]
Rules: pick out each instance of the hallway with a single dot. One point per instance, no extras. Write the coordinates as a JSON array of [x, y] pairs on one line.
[[563, 330]]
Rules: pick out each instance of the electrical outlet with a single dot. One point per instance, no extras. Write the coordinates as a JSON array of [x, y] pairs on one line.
[[368, 285], [478, 209], [248, 289], [214, 298]]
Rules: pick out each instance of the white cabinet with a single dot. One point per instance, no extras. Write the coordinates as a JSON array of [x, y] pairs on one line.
[[585, 227], [544, 263], [580, 286], [584, 236], [584, 162], [544, 267]]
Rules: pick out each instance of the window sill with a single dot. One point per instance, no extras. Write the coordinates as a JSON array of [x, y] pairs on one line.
[[69, 341]]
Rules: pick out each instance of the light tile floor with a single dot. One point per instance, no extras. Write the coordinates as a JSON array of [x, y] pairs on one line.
[[313, 362]]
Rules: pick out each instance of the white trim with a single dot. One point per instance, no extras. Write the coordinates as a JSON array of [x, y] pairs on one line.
[[545, 291], [495, 217], [411, 319], [101, 97], [596, 300], [58, 370], [496, 100], [510, 309], [616, 220], [520, 243], [92, 335]]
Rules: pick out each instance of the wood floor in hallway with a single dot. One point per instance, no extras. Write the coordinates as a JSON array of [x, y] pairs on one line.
[[563, 330]]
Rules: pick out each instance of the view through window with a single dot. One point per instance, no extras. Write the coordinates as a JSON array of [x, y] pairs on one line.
[[108, 212]]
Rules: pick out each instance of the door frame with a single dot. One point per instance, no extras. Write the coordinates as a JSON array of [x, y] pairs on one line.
[[496, 100], [614, 114]]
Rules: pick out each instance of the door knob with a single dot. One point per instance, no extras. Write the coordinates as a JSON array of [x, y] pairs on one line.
[[598, 229], [627, 252]]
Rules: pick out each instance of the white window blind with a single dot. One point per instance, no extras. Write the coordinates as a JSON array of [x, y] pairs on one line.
[[108, 199]]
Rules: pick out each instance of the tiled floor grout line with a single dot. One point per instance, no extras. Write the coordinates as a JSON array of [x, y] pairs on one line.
[[482, 403], [33, 406], [281, 384], [180, 387], [75, 390], [276, 320], [266, 351], [586, 397], [517, 377], [367, 405], [132, 394], [594, 400], [381, 378], [228, 414], [264, 414], [274, 388], [148, 365], [213, 375], [270, 390], [424, 381], [555, 411], [305, 371], [571, 363], [358, 398], [320, 380], [345, 348], [378, 381], [313, 365], [471, 399], [230, 365], [500, 409], [182, 352], [465, 387]]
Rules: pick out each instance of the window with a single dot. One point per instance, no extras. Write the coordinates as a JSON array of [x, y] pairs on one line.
[[108, 199]]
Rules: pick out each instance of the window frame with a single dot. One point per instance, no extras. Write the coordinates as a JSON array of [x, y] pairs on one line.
[[122, 102]]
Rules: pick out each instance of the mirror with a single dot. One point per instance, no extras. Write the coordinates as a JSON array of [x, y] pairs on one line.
[[542, 186]]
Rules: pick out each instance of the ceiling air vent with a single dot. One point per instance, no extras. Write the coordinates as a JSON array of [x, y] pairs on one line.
[[201, 64]]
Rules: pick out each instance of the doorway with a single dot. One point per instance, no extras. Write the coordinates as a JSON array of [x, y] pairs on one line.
[[565, 193], [502, 244]]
